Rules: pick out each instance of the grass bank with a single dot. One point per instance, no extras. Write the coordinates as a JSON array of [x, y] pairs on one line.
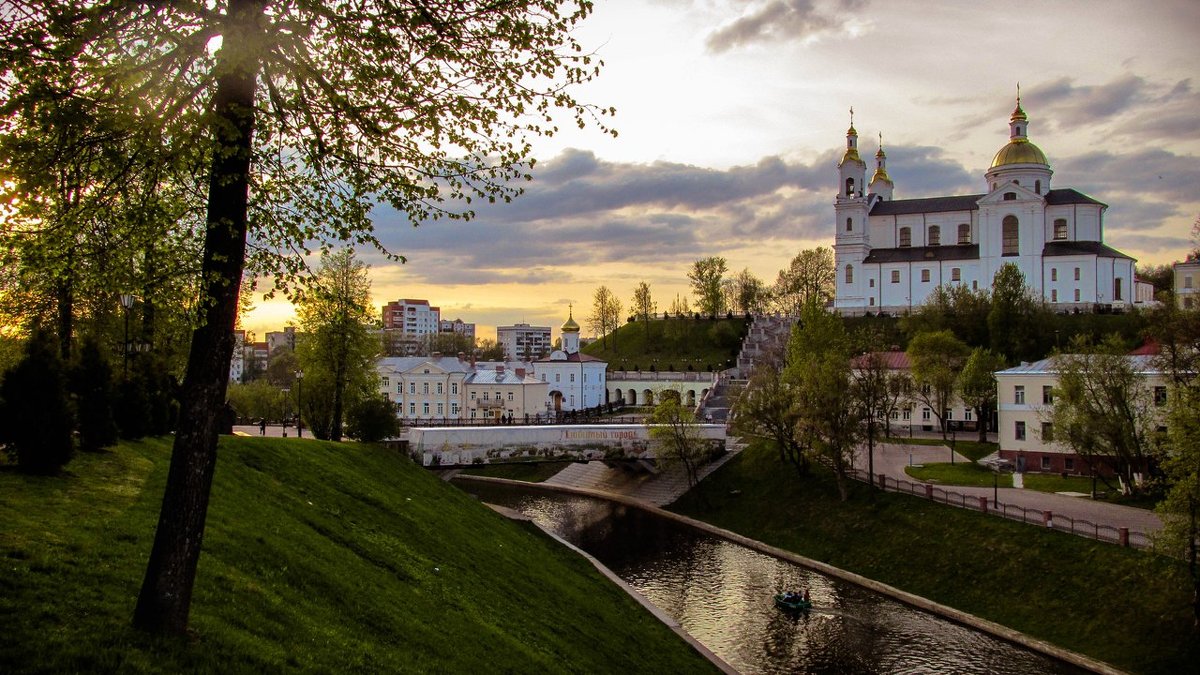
[[317, 557], [1122, 606], [672, 344]]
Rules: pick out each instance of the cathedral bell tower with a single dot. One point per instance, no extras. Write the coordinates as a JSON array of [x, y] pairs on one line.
[[851, 243]]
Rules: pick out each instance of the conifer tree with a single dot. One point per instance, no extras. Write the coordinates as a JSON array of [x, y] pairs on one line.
[[92, 385], [37, 421]]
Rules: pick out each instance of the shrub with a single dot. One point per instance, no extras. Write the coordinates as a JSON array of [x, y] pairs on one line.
[[37, 420], [92, 385], [372, 419]]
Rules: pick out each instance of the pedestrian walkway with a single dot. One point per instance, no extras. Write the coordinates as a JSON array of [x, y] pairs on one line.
[[892, 458], [273, 431]]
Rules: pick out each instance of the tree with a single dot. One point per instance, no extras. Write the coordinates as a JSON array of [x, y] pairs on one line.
[[936, 361], [37, 422], [977, 385], [747, 293], [706, 277], [1016, 316], [818, 374], [450, 344], [337, 346], [282, 366], [256, 400], [871, 392], [676, 434], [373, 419], [643, 306], [1103, 410], [410, 104], [487, 349], [809, 278], [1161, 276], [765, 407], [1180, 510], [92, 384], [606, 313], [956, 308]]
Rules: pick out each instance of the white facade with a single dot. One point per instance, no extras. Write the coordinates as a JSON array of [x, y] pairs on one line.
[[576, 380], [1025, 397], [522, 341], [412, 317], [446, 387], [891, 254]]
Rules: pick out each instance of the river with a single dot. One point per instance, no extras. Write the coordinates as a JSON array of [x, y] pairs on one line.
[[721, 593]]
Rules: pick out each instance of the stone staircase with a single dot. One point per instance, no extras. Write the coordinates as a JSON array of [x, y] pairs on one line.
[[659, 489], [767, 335]]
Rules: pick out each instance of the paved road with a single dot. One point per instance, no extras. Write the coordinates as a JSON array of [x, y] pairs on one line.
[[273, 430], [891, 458]]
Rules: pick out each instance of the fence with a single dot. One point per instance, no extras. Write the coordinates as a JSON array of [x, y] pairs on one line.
[[1122, 536], [597, 415]]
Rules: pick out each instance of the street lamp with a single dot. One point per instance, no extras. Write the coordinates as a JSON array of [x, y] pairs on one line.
[[299, 404], [127, 303]]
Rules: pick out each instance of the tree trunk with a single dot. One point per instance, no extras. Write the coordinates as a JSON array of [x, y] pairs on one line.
[[165, 598], [65, 292]]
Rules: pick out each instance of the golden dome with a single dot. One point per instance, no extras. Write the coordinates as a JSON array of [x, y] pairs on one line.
[[570, 326], [850, 156], [881, 174], [1018, 113], [1019, 151]]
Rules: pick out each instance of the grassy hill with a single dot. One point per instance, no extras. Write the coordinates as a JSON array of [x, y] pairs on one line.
[[672, 344], [1122, 606], [317, 556]]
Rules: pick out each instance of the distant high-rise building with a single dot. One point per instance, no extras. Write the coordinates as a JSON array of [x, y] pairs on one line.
[[523, 342], [282, 338], [458, 326], [411, 317]]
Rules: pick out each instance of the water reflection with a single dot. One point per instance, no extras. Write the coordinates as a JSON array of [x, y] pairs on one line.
[[721, 593]]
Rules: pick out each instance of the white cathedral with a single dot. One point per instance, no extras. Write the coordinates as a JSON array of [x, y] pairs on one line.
[[891, 254]]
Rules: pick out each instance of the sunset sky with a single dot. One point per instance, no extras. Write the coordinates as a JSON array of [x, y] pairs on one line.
[[732, 117]]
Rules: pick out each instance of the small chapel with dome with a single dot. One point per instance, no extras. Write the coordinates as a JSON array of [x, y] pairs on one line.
[[891, 253], [577, 380]]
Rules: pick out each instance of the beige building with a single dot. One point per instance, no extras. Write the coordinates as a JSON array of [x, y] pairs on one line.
[[1025, 398], [447, 387], [1187, 283]]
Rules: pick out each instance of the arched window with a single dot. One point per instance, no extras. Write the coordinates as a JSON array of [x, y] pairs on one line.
[[1060, 228], [935, 235], [849, 274], [905, 237], [1011, 236], [964, 233], [849, 224], [1037, 186], [849, 187]]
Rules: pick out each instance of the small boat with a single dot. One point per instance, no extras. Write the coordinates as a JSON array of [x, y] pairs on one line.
[[792, 602]]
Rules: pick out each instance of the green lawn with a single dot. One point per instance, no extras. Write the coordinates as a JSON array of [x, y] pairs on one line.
[[672, 344], [318, 557], [1126, 607], [958, 473]]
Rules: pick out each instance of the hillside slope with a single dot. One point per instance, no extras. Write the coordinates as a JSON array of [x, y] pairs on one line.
[[317, 556], [672, 344]]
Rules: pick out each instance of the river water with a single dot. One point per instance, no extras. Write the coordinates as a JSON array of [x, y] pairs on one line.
[[721, 593]]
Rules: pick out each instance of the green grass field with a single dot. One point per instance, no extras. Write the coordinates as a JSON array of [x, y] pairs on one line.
[[672, 344], [317, 557], [1126, 607]]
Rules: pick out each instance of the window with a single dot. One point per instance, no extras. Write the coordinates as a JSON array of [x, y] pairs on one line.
[[905, 237], [925, 276], [439, 387], [1076, 274], [964, 234], [1160, 396], [1076, 295], [1047, 395], [485, 396], [558, 377], [967, 414], [424, 387], [935, 235], [1060, 228], [955, 274], [1010, 196], [412, 409], [925, 414], [849, 187], [1117, 288], [510, 396], [895, 276], [1187, 281], [907, 415], [440, 412], [1054, 295], [1187, 302], [386, 383], [1069, 463], [871, 283], [386, 397], [412, 387], [1011, 236], [1053, 274], [974, 285], [1019, 431], [497, 396], [1019, 394], [454, 388], [1047, 431], [425, 408], [849, 274], [1045, 462], [849, 224], [472, 396], [572, 377], [454, 410], [1037, 186]]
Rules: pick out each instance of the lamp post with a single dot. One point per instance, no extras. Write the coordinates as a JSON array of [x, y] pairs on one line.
[[127, 303], [299, 404]]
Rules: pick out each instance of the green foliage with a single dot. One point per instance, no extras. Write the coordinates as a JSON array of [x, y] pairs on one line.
[[606, 313], [977, 385], [257, 400], [1125, 607], [936, 361], [36, 422], [702, 344], [705, 276], [809, 278], [372, 419], [676, 436], [92, 384], [1017, 317], [318, 558], [956, 308]]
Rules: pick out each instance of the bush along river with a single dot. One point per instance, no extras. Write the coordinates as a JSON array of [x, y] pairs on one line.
[[722, 594]]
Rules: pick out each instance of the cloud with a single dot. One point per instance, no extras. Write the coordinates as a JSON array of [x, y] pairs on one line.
[[1127, 107], [1153, 171], [784, 21]]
